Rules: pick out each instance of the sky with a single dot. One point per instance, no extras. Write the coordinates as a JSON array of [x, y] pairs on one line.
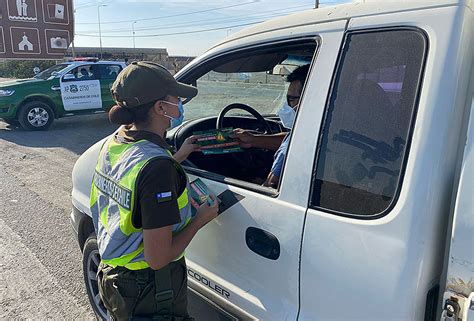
[[183, 27]]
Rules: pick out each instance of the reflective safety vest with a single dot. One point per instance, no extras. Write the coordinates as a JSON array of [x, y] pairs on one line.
[[114, 199]]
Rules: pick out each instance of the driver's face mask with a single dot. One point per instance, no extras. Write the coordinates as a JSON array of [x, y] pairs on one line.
[[174, 122], [287, 115]]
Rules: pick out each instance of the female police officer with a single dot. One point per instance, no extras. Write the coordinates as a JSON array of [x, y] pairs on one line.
[[139, 200]]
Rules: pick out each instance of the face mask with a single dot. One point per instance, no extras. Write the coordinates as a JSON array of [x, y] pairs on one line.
[[175, 122], [287, 116], [178, 120]]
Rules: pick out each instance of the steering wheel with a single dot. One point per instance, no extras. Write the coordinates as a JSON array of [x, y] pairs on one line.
[[246, 156], [247, 108]]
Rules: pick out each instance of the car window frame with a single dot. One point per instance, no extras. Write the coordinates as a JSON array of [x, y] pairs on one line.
[[329, 101], [208, 64], [92, 66], [99, 69]]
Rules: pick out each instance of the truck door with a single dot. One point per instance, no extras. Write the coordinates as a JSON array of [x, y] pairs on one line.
[[458, 296], [247, 260], [383, 168]]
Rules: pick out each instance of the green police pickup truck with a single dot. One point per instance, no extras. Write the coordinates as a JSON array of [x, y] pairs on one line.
[[69, 88]]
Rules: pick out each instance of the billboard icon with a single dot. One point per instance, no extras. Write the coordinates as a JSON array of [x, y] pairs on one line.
[[22, 10], [57, 41], [56, 11], [25, 40], [2, 41], [25, 44]]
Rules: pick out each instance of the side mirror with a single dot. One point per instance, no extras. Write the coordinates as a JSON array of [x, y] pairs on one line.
[[69, 77], [36, 70]]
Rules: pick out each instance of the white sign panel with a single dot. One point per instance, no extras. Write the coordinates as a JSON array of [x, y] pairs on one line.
[[80, 95]]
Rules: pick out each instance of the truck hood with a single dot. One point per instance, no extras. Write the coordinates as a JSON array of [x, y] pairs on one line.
[[13, 83]]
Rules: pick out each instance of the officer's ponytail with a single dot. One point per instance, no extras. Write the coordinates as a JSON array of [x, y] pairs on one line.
[[122, 115]]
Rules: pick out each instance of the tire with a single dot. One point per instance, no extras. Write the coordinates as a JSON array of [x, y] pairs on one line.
[[35, 115], [90, 263]]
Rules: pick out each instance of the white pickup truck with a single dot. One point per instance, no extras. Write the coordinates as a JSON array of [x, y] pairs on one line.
[[373, 217]]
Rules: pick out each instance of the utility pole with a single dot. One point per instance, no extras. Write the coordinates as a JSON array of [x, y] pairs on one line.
[[133, 35], [100, 31], [316, 5]]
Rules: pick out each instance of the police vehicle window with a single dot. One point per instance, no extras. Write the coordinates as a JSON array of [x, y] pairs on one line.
[[45, 74], [109, 71], [366, 132], [80, 73]]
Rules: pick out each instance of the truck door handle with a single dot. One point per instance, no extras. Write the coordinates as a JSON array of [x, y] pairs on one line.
[[55, 88], [263, 243]]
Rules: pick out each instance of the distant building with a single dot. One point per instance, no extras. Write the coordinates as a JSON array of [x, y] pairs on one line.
[[175, 63], [158, 55], [131, 54]]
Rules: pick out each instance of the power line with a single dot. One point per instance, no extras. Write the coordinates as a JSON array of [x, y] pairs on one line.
[[171, 16], [264, 14], [86, 5], [174, 33]]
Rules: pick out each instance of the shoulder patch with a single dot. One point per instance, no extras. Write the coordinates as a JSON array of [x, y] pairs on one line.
[[164, 197]]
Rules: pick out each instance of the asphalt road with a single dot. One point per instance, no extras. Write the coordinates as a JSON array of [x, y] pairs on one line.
[[40, 260]]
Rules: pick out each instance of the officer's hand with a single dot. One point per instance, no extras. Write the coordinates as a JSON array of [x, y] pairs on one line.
[[206, 213], [187, 148], [245, 139]]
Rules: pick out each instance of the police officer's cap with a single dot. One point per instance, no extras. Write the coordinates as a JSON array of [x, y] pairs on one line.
[[144, 82]]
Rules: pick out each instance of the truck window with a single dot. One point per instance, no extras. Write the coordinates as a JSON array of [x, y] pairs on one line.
[[253, 77], [366, 132]]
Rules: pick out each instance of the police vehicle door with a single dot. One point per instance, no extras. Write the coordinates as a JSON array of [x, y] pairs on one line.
[[108, 74], [80, 89]]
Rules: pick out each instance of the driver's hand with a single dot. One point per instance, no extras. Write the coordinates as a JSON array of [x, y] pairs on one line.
[[187, 148], [245, 139]]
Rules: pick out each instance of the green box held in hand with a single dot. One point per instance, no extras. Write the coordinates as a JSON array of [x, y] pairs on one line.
[[199, 193], [217, 141]]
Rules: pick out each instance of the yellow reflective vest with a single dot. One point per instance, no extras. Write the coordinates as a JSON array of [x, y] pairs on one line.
[[113, 200]]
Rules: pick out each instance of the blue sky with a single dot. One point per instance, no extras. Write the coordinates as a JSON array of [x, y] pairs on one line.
[[183, 27]]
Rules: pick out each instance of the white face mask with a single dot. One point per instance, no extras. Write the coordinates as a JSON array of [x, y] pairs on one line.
[[287, 115]]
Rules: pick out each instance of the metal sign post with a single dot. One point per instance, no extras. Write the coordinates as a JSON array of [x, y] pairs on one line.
[[35, 29]]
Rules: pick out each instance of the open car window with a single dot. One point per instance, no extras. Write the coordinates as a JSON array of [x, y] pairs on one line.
[[263, 91], [255, 77]]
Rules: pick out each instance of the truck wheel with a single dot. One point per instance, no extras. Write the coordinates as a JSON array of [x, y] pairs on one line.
[[90, 264], [35, 115]]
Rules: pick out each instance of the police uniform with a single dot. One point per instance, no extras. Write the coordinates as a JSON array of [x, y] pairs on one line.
[[138, 185], [130, 286]]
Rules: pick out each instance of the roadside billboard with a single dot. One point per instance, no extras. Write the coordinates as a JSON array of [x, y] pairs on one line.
[[35, 29]]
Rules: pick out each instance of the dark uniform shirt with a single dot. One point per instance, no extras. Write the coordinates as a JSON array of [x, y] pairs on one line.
[[160, 175]]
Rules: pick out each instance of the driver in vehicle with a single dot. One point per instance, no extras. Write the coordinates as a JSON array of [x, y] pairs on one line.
[[278, 142]]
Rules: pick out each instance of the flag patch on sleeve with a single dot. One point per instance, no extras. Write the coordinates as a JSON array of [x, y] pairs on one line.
[[164, 197]]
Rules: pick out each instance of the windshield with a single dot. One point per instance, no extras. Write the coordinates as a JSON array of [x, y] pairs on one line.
[[45, 74], [260, 90]]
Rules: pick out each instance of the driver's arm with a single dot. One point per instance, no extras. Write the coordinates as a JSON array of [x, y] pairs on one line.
[[248, 140]]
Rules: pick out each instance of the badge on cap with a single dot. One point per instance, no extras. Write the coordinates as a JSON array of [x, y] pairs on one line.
[[164, 197]]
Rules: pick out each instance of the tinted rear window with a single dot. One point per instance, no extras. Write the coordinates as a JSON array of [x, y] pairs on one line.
[[363, 147]]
